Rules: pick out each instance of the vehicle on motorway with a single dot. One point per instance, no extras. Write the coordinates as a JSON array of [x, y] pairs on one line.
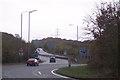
[[52, 59], [38, 59], [32, 62]]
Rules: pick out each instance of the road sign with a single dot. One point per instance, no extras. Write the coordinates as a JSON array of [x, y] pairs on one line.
[[84, 52], [21, 52], [65, 52]]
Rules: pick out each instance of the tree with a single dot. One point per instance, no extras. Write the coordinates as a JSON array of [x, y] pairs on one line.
[[104, 27], [10, 51]]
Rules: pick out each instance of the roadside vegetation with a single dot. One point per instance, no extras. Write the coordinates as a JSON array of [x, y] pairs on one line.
[[79, 72], [11, 46], [103, 25]]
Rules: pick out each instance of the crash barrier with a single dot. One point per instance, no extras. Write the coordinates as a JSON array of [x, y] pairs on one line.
[[56, 56]]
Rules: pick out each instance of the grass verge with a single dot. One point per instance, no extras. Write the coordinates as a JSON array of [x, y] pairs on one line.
[[78, 72]]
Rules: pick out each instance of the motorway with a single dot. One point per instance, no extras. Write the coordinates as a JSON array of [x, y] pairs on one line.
[[44, 70]]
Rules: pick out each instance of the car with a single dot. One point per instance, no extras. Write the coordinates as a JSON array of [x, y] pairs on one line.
[[52, 59], [32, 62], [38, 59]]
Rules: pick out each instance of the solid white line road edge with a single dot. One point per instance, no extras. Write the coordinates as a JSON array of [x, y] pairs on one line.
[[57, 74]]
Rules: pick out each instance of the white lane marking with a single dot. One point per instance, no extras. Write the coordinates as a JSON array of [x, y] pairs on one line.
[[37, 72], [58, 74]]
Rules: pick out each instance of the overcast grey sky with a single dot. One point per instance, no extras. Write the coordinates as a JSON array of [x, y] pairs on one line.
[[50, 16]]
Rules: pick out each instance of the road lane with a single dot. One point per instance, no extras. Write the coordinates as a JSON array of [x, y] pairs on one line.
[[19, 71], [22, 71], [41, 71], [46, 59]]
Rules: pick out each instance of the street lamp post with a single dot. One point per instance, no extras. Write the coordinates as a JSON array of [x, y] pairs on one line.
[[29, 29], [21, 29], [77, 30], [21, 50], [21, 25]]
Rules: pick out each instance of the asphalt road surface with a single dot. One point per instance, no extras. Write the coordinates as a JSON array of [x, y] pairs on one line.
[[44, 70]]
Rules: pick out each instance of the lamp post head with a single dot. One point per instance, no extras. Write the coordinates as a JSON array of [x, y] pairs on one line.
[[32, 11], [71, 24]]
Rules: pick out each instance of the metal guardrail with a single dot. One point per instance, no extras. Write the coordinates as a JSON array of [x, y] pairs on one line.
[[57, 56], [49, 55]]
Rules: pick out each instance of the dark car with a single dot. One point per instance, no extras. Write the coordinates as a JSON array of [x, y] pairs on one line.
[[52, 59], [32, 62]]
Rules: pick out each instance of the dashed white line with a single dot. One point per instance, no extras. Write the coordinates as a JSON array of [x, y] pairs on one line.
[[39, 72], [58, 74], [36, 72]]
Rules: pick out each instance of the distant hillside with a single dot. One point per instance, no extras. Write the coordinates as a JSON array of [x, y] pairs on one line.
[[59, 46], [41, 43]]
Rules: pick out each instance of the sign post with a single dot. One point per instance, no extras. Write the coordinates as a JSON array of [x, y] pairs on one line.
[[21, 54], [69, 59]]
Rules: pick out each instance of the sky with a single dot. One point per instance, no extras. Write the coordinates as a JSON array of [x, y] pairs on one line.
[[51, 18]]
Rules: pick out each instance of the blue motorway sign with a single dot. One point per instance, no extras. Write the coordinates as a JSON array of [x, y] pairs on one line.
[[84, 52]]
